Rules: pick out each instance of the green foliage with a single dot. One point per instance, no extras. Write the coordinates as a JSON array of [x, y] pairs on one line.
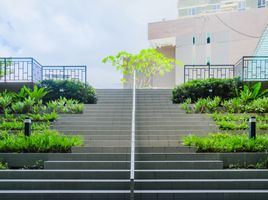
[[249, 94], [19, 125], [44, 117], [64, 105], [224, 142], [18, 107], [5, 101], [82, 92], [196, 89], [36, 94], [187, 106], [39, 142], [3, 166], [207, 105], [239, 121], [39, 164], [148, 62]]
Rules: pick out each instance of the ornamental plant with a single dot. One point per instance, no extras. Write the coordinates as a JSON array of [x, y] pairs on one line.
[[147, 63]]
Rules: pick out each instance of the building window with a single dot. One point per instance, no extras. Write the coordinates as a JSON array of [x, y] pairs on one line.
[[192, 11], [216, 7], [261, 3], [194, 40], [241, 5], [208, 38], [208, 60]]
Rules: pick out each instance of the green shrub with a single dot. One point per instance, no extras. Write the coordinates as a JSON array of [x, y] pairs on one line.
[[224, 142], [36, 93], [84, 93], [3, 166], [207, 105], [196, 89], [39, 142], [19, 125], [64, 105]]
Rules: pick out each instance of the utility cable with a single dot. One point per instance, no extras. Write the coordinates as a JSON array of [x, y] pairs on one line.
[[233, 29]]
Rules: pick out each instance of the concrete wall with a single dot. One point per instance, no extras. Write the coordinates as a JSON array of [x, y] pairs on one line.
[[16, 86], [168, 80]]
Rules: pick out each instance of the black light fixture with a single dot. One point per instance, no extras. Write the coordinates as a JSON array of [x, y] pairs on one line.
[[252, 127], [27, 126]]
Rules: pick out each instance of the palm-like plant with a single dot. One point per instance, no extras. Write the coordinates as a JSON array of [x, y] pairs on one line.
[[248, 94]]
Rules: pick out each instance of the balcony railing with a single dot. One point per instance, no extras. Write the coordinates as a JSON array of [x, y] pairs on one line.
[[29, 70], [248, 68], [192, 72]]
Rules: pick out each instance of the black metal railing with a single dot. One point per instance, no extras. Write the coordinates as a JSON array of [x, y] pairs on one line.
[[192, 72], [65, 72], [248, 68], [27, 69], [254, 68]]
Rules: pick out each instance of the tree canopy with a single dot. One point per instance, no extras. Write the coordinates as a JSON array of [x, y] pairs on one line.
[[149, 62]]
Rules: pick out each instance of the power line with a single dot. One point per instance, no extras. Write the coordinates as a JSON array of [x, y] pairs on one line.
[[233, 29]]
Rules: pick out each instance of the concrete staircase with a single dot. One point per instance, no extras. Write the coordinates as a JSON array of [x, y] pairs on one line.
[[165, 170]]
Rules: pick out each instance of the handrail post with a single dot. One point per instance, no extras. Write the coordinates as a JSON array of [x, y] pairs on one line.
[[132, 155]]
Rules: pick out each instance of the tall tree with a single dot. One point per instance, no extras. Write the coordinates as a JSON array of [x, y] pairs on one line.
[[148, 62]]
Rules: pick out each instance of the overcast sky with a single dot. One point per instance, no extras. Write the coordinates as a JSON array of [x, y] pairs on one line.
[[72, 32]]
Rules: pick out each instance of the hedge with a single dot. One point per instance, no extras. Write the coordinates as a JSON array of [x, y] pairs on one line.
[[69, 89], [196, 89]]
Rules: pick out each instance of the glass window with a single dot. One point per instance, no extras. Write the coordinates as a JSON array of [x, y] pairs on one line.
[[261, 3], [208, 60], [208, 38], [241, 5], [216, 7], [192, 11]]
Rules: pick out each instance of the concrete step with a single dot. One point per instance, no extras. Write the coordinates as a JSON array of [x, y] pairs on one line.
[[127, 143], [17, 159], [139, 174], [138, 132], [107, 149], [152, 184], [72, 117], [141, 195], [138, 123], [184, 164], [139, 127]]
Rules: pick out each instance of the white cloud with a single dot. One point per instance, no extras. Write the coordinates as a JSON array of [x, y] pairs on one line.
[[79, 31]]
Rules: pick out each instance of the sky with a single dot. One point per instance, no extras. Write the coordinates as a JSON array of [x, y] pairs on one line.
[[79, 32]]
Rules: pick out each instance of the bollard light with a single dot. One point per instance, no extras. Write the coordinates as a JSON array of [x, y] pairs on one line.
[[252, 127], [27, 126]]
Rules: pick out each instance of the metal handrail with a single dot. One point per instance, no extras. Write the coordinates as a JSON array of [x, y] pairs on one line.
[[133, 129]]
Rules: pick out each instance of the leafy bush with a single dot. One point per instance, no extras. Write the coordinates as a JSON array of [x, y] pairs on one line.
[[248, 94], [36, 94], [64, 105], [196, 89], [207, 105], [38, 142], [224, 142], [19, 125], [84, 93], [3, 166]]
